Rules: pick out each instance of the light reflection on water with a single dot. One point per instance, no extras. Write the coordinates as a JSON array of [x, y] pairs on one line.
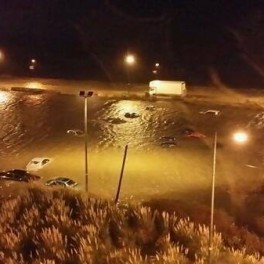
[[123, 130], [34, 85], [28, 121], [33, 124], [5, 97], [36, 125]]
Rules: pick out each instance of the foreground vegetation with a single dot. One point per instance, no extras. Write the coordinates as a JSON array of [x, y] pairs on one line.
[[59, 226]]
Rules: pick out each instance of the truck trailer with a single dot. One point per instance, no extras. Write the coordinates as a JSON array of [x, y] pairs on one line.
[[171, 88]]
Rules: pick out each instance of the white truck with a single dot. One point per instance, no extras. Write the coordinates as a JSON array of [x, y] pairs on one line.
[[171, 88]]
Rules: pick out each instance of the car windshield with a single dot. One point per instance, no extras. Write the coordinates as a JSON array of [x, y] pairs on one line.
[[18, 172], [70, 182], [58, 183], [45, 161], [17, 176]]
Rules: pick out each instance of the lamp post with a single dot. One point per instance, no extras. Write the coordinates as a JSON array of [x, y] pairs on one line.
[[129, 60], [32, 65], [1, 55], [212, 200], [2, 59], [239, 137], [86, 94], [156, 69]]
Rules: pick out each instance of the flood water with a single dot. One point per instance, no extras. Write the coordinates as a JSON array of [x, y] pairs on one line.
[[36, 125]]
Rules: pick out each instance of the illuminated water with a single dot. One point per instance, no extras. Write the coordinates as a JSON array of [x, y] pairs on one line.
[[34, 125]]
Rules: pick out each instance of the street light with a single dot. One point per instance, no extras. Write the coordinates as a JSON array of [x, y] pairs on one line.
[[1, 55], [129, 60], [85, 94], [32, 65], [156, 69], [2, 58], [239, 137]]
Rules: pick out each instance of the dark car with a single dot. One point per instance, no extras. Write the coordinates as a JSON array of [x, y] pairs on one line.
[[190, 133], [18, 175], [168, 141], [62, 181]]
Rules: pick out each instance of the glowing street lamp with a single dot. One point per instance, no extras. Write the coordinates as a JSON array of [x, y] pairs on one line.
[[241, 138], [32, 65], [129, 60], [156, 69], [1, 55]]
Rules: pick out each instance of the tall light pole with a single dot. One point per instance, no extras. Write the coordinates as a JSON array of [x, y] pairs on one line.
[[1, 55], [211, 228], [129, 60], [86, 94], [239, 137]]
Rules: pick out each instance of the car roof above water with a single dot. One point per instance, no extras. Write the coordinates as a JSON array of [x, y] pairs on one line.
[[17, 171]]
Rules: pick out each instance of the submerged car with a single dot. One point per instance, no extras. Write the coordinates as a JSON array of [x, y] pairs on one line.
[[150, 107], [168, 138], [75, 132], [168, 141], [131, 115], [62, 181], [190, 133], [18, 175], [38, 163], [168, 144], [210, 112]]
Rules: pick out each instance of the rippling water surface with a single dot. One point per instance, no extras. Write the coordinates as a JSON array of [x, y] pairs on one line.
[[30, 121], [35, 125]]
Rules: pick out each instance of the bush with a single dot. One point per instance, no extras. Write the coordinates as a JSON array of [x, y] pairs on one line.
[[57, 226]]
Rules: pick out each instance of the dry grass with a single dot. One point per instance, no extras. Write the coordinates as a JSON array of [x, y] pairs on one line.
[[57, 226]]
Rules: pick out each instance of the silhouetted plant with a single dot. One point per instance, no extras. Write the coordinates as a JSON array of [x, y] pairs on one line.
[[57, 226]]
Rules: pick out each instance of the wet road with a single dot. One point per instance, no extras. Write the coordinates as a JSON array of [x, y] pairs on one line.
[[35, 125]]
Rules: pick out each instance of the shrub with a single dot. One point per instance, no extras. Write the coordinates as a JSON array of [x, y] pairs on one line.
[[57, 226]]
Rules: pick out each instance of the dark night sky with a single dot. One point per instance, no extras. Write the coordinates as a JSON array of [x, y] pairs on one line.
[[88, 39]]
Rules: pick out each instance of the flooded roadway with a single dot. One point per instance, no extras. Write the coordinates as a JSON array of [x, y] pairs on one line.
[[35, 125]]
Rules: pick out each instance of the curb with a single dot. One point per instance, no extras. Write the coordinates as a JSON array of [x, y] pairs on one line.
[[32, 90]]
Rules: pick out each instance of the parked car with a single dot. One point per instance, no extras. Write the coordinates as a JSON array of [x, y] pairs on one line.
[[168, 141], [168, 138], [62, 181], [211, 112], [75, 132], [18, 175], [168, 144], [190, 133], [150, 107], [131, 115], [38, 163]]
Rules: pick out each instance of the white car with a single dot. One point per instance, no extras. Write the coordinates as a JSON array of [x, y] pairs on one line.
[[75, 132], [211, 111], [62, 181], [38, 163]]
